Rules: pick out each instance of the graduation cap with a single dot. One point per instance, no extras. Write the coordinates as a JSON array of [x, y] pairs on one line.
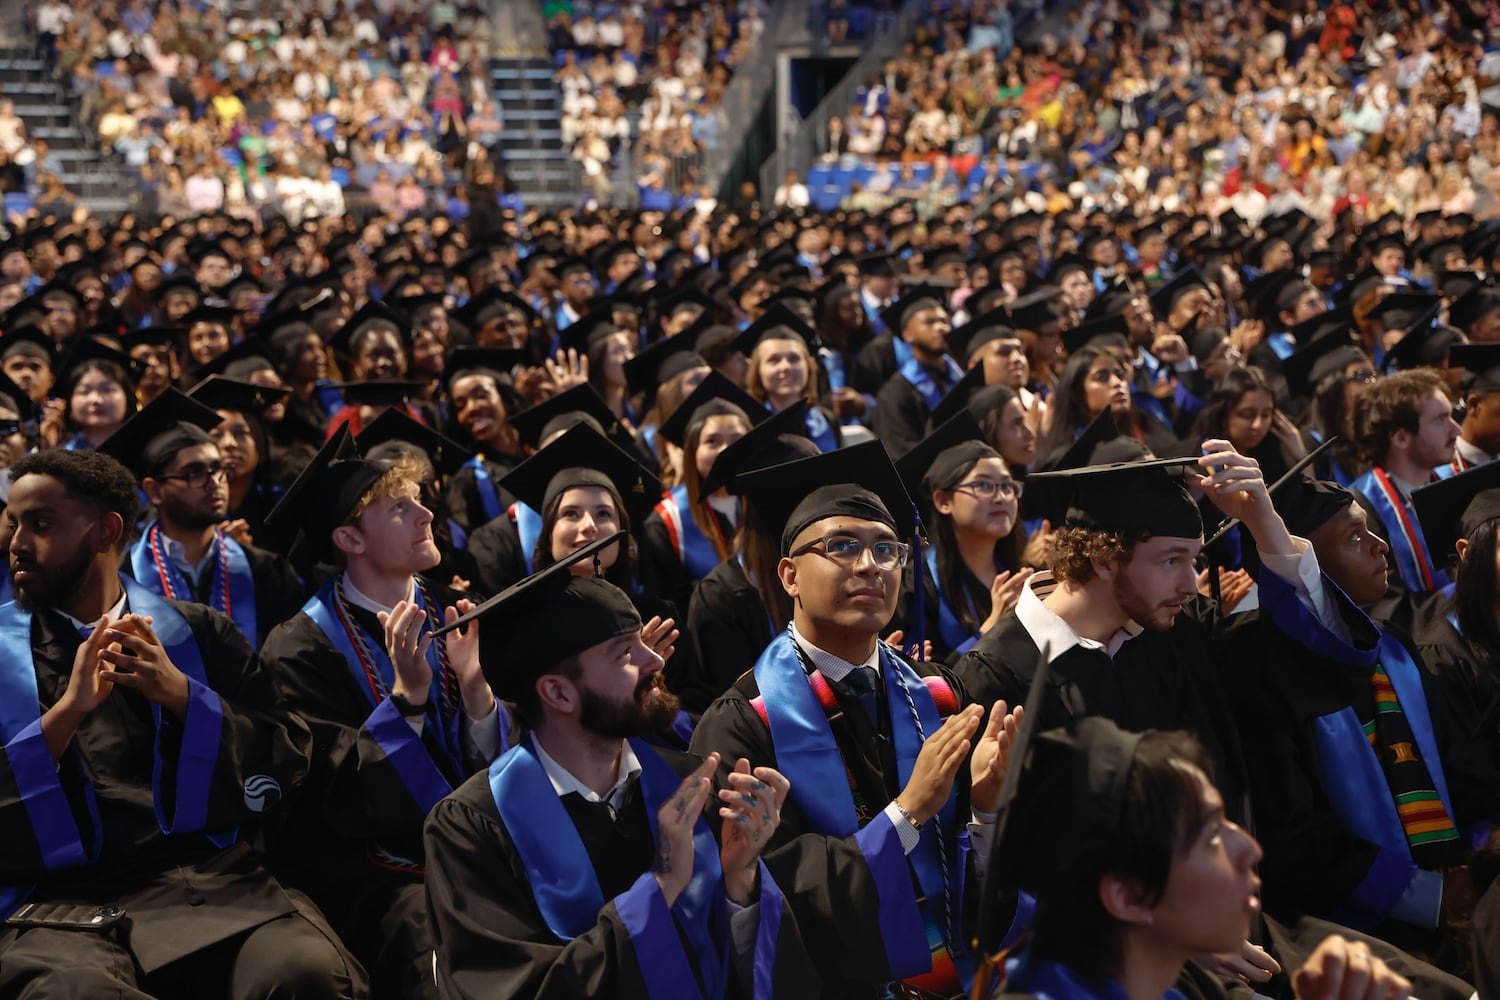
[[1078, 337], [765, 444], [1387, 241], [242, 350], [169, 423], [684, 297], [589, 329], [581, 457], [493, 302], [966, 340], [1101, 443], [1035, 310], [220, 392], [395, 427], [179, 283], [323, 496], [1164, 298], [380, 392], [1481, 361], [664, 360], [958, 397], [958, 442], [155, 336], [581, 399], [1122, 497], [31, 341], [1456, 507], [497, 361], [371, 314], [87, 349], [715, 394], [1473, 306], [1424, 345], [1454, 285], [1400, 310], [13, 397], [1318, 358], [777, 320], [1276, 292], [915, 299], [857, 481], [877, 265], [1067, 264]]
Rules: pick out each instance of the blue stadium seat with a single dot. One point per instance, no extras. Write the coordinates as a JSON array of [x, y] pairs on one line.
[[827, 197], [820, 174]]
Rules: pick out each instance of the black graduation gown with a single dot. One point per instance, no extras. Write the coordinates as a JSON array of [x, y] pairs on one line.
[[874, 365], [826, 880], [661, 571], [901, 415], [354, 839], [491, 938], [278, 591], [1468, 684], [181, 892], [498, 558], [259, 502], [462, 499], [730, 629]]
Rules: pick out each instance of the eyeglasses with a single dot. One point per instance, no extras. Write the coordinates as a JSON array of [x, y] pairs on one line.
[[988, 489], [198, 476], [1364, 376], [9, 427], [1104, 376], [846, 551]]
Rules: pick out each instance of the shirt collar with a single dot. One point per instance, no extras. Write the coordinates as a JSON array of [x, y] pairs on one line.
[[563, 781], [177, 553], [830, 666], [87, 628], [1048, 629], [362, 600]]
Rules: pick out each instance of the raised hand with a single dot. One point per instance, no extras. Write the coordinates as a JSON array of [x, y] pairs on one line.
[[1005, 594], [1038, 550], [991, 755], [751, 813], [1251, 964], [1289, 438], [462, 646], [568, 370], [146, 667], [937, 764], [239, 530], [661, 635], [897, 639], [406, 644], [673, 866], [88, 685], [1237, 487]]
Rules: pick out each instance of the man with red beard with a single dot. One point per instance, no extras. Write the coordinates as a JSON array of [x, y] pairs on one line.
[[399, 721], [582, 863]]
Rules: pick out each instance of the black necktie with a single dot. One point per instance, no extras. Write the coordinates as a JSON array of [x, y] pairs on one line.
[[865, 682]]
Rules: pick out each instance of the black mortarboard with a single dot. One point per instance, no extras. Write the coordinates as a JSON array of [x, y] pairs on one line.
[[1424, 345], [29, 340], [659, 363], [156, 336], [1472, 306], [1400, 310], [1034, 310], [958, 397], [955, 444], [498, 361], [1309, 364], [1387, 241], [877, 265], [323, 496], [581, 457], [86, 349], [763, 445], [857, 481], [588, 330], [963, 341], [913, 299], [1358, 286], [371, 314], [778, 319], [1275, 292], [719, 394], [492, 302], [242, 350], [1454, 508], [1481, 361], [169, 423], [1078, 337], [221, 393], [1166, 296], [380, 392], [1122, 497], [444, 454], [1307, 504], [582, 399], [1454, 284]]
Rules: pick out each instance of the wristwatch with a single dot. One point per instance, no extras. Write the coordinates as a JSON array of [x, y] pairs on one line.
[[406, 708], [906, 815]]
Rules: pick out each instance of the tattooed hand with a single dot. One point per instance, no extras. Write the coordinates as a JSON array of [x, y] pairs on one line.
[[751, 811], [673, 867]]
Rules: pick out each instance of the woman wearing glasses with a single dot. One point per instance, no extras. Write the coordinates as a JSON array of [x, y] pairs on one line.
[[973, 569], [1095, 380]]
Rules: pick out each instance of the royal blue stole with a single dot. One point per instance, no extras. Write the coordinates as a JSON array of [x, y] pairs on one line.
[[1048, 980], [374, 674], [1403, 532], [78, 443], [529, 530], [1281, 344], [925, 381], [233, 590], [567, 891], [485, 483], [819, 430], [808, 755], [833, 364], [37, 779], [903, 351], [1355, 782], [954, 635], [692, 546]]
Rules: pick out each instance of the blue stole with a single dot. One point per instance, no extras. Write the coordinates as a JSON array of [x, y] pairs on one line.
[[903, 351], [374, 674], [78, 443], [485, 483], [233, 587], [1144, 399], [567, 891], [1353, 779], [692, 546], [1336, 472], [924, 381], [808, 755], [954, 635], [819, 430], [1281, 344], [37, 779], [648, 437], [1047, 980], [1403, 532], [833, 364], [529, 530]]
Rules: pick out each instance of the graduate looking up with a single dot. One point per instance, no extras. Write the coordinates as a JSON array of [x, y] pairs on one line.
[[399, 720], [581, 863], [924, 371], [140, 753]]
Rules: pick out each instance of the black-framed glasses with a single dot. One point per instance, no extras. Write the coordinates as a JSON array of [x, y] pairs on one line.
[[9, 427], [1364, 376], [846, 551], [197, 476], [989, 489]]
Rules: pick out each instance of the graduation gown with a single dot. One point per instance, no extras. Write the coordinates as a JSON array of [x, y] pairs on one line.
[[496, 550], [494, 941], [875, 363], [730, 629], [266, 577], [259, 502], [1411, 566], [1467, 683], [473, 496], [145, 812], [674, 552], [903, 407], [838, 885]]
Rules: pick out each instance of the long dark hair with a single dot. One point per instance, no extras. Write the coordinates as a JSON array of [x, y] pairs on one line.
[[953, 577], [622, 573], [1070, 411], [1474, 595], [1213, 419], [698, 507], [1328, 417]]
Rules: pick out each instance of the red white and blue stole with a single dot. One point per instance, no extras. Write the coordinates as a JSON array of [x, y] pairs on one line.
[[233, 590], [692, 546], [1402, 532]]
